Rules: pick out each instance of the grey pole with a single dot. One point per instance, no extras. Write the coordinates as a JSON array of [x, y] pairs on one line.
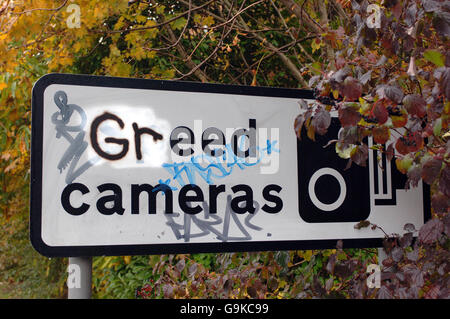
[[79, 281]]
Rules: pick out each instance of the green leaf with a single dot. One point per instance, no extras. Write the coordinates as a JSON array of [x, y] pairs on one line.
[[437, 127], [435, 57], [160, 9], [179, 23]]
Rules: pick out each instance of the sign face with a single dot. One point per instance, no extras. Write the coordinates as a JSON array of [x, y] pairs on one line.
[[128, 166]]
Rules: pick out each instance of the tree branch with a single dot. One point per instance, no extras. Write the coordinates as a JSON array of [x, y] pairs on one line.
[[287, 62], [303, 16]]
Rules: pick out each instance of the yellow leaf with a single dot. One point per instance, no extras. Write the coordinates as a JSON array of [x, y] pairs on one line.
[[114, 51], [335, 94], [77, 46], [209, 21], [151, 54], [305, 254], [120, 23], [141, 19], [3, 86], [316, 44]]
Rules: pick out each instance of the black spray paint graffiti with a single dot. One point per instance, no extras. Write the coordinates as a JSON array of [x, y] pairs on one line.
[[210, 222], [77, 145]]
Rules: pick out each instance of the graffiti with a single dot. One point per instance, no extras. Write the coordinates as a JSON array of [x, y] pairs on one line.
[[77, 145], [216, 168], [211, 224]]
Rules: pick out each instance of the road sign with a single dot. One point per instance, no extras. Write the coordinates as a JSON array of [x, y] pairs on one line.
[[129, 166]]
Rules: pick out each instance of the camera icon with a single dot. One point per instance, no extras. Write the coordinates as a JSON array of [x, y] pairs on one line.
[[327, 191]]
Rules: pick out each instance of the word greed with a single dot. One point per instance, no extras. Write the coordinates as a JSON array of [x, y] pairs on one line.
[[180, 136], [190, 196]]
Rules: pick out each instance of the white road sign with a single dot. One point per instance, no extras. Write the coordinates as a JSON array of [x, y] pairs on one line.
[[129, 166]]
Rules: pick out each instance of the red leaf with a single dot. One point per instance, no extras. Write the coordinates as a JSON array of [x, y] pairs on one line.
[[415, 105], [380, 134], [399, 120], [349, 116], [351, 89], [401, 146], [415, 141], [409, 143], [380, 112]]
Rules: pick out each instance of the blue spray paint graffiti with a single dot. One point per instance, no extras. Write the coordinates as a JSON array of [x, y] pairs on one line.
[[215, 168]]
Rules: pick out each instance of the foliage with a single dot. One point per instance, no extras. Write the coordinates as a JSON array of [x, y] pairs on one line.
[[282, 274], [386, 82], [23, 272], [392, 84]]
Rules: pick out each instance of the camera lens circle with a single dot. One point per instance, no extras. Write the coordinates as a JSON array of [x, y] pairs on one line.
[[312, 193]]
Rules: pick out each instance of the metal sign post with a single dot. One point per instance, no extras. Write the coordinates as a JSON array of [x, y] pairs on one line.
[[79, 281]]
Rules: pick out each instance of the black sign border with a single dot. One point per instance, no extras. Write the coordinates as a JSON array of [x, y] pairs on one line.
[[150, 249]]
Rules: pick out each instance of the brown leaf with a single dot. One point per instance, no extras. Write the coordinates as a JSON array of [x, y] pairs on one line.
[[168, 291], [180, 265], [430, 170], [360, 154], [440, 203], [441, 23], [390, 152], [414, 175], [300, 121], [321, 121], [444, 181], [393, 93], [431, 231], [397, 254], [362, 224]]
